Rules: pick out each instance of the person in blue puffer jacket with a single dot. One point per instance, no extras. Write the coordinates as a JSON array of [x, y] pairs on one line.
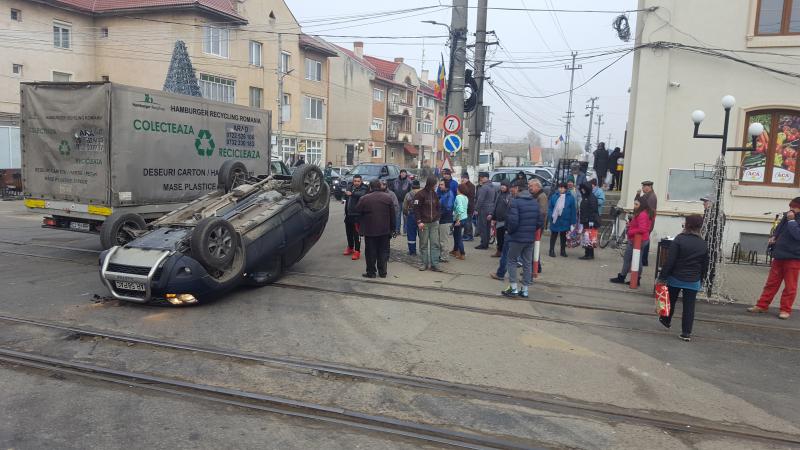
[[446, 202], [562, 215], [521, 225]]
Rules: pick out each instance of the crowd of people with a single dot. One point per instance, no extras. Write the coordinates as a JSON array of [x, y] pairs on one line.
[[443, 214]]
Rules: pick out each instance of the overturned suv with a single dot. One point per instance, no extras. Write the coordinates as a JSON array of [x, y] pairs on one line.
[[246, 232]]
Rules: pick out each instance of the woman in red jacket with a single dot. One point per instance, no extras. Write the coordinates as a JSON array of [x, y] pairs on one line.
[[640, 224]]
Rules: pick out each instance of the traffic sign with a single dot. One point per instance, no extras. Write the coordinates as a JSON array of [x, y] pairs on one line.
[[452, 143], [452, 123]]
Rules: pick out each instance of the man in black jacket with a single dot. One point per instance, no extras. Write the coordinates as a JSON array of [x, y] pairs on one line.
[[601, 163], [500, 214], [400, 187], [614, 166], [353, 194], [377, 218], [785, 267]]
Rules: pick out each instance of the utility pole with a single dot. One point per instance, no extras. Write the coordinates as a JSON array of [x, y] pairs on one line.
[[479, 121], [608, 142], [599, 122], [458, 51], [591, 109], [279, 74], [572, 68]]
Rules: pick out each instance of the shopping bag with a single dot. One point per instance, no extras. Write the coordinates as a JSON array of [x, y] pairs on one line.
[[590, 239], [575, 236], [662, 300]]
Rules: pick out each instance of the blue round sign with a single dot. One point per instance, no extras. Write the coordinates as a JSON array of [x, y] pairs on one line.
[[452, 143]]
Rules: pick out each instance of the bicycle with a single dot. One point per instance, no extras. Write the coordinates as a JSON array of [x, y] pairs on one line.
[[611, 234]]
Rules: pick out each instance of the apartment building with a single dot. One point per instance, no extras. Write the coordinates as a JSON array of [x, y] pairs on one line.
[[238, 48], [669, 83]]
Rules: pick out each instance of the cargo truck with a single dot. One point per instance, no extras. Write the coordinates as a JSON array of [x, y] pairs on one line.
[[106, 158]]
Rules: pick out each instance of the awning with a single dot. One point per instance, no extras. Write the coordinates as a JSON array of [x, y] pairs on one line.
[[411, 150]]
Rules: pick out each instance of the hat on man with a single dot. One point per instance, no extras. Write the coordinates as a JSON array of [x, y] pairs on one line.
[[447, 171], [647, 183], [705, 198], [483, 174]]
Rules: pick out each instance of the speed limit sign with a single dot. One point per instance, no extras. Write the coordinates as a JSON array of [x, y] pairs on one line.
[[451, 124]]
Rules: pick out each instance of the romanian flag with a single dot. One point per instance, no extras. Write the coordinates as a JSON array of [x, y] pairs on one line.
[[559, 139], [441, 84]]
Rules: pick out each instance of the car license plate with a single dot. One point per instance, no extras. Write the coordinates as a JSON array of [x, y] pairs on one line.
[[79, 226], [129, 286]]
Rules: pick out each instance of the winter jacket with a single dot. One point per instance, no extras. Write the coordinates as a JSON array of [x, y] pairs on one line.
[[541, 197], [687, 259], [395, 202], [501, 206], [352, 200], [453, 185], [523, 218], [408, 202], [470, 197], [640, 224], [612, 160], [486, 197], [401, 187], [600, 195], [567, 218], [376, 211], [787, 240], [578, 179], [460, 208], [600, 160], [426, 206], [446, 200], [650, 199], [588, 209]]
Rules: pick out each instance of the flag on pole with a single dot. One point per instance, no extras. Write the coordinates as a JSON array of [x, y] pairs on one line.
[[559, 139], [441, 85]]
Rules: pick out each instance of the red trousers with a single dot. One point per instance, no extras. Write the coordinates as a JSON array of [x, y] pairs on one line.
[[781, 271]]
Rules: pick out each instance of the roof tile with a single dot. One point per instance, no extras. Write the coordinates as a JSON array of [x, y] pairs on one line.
[[103, 6]]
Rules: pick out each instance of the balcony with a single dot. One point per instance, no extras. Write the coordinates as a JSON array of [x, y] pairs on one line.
[[396, 108], [397, 134]]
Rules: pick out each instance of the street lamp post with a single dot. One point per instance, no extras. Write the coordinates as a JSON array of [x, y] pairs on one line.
[[716, 225]]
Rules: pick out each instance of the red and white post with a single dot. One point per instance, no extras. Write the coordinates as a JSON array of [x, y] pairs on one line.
[[536, 248], [636, 258]]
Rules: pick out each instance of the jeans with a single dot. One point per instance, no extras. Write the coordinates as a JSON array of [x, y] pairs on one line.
[[687, 318], [483, 228], [524, 252], [626, 260], [353, 239], [444, 231], [398, 221], [429, 244], [411, 233], [377, 253], [501, 268], [467, 223], [458, 243], [501, 237], [784, 271]]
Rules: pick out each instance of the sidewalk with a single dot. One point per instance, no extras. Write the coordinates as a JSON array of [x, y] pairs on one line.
[[743, 283]]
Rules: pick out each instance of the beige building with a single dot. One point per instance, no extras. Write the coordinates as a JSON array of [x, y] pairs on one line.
[[234, 47], [669, 83]]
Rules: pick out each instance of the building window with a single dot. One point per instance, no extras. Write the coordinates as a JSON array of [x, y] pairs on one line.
[[255, 53], [61, 35], [313, 151], [286, 110], [776, 17], [256, 96], [16, 69], [377, 95], [215, 41], [285, 59], [218, 88], [62, 77], [376, 152], [377, 125], [104, 32], [424, 126], [16, 15], [774, 161], [312, 108], [287, 149], [313, 70], [420, 101]]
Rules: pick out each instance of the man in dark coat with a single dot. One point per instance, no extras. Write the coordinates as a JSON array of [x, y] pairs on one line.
[[353, 194], [589, 215], [468, 232], [500, 214], [400, 187], [785, 267], [523, 221], [601, 163], [377, 218], [613, 159], [426, 213], [484, 206]]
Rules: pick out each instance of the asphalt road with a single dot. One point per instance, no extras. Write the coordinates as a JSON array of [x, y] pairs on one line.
[[595, 350]]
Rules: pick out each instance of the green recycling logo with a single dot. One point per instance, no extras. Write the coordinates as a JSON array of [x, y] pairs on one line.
[[204, 143], [64, 148]]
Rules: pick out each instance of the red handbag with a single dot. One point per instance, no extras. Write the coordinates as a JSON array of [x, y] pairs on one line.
[[662, 300]]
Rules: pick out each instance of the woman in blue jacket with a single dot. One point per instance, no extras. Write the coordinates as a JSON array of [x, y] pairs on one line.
[[561, 215]]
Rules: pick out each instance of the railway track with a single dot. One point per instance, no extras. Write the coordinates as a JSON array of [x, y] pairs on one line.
[[673, 423]]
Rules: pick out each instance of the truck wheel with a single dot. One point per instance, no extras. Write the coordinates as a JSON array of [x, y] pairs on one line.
[[308, 180], [230, 173], [214, 242], [120, 228]]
